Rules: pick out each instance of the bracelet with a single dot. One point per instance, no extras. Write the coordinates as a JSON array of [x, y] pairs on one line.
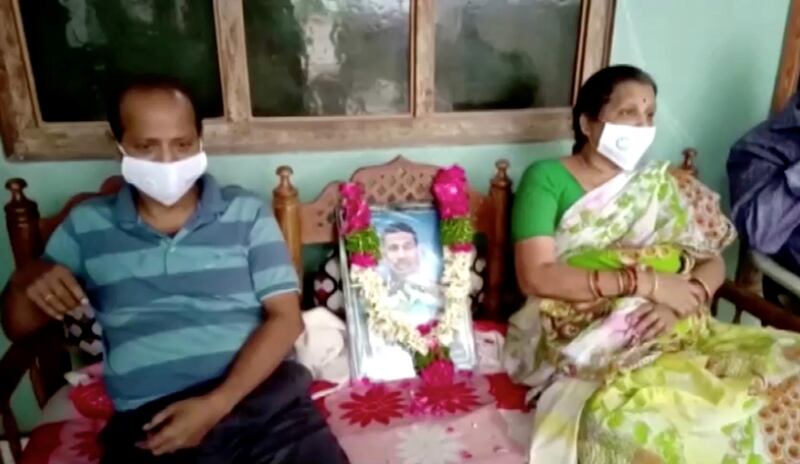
[[705, 288], [621, 284], [654, 288], [633, 280], [593, 284], [596, 279]]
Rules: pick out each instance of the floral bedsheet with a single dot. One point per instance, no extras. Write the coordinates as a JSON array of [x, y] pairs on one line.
[[480, 418]]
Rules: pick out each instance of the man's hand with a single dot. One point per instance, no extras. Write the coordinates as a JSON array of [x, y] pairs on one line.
[[56, 291], [650, 321], [184, 424]]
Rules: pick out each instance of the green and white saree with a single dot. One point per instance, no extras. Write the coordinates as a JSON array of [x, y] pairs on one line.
[[706, 392]]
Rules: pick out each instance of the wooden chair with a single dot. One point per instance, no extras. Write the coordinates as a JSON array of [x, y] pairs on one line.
[[42, 355], [401, 180]]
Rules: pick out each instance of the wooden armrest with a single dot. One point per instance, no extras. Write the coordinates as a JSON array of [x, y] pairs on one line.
[[16, 361], [769, 314]]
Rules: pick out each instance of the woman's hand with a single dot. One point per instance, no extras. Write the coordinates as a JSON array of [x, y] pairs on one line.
[[677, 293], [651, 321]]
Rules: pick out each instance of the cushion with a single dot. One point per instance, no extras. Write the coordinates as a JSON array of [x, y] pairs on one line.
[[83, 331]]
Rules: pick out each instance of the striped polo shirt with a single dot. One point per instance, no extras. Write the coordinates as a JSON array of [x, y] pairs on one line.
[[175, 310]]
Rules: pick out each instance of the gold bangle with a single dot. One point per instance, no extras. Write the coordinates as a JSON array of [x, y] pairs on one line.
[[705, 288], [654, 288], [593, 284], [621, 283]]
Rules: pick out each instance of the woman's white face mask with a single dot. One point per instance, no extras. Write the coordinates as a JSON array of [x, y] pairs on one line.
[[625, 145], [164, 182]]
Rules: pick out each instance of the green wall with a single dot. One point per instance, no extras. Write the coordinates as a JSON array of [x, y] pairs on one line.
[[715, 62]]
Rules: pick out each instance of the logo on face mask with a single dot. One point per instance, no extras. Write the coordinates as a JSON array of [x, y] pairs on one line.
[[164, 182], [625, 145]]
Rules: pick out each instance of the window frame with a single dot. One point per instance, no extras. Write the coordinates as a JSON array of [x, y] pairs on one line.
[[789, 68], [27, 137]]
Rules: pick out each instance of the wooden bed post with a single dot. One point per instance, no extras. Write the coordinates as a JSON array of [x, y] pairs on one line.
[[22, 221], [689, 155], [498, 246], [286, 204]]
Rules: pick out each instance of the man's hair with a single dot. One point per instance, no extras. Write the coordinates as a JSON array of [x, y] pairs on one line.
[[147, 82], [400, 227]]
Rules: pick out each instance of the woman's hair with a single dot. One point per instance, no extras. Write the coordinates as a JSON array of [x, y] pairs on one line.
[[596, 92]]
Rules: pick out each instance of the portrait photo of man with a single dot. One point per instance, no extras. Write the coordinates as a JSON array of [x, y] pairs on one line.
[[411, 265], [406, 267]]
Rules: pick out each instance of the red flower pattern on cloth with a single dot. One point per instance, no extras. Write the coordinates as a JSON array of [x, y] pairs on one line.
[[86, 445], [442, 399], [44, 441], [506, 393], [377, 404]]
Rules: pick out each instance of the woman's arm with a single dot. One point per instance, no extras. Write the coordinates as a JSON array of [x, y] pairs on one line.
[[709, 275], [540, 275]]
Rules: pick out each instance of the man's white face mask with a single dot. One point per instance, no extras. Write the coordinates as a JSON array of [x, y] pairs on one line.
[[625, 145], [164, 182]]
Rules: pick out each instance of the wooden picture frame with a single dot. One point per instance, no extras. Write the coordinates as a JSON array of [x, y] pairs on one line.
[[27, 137], [371, 356]]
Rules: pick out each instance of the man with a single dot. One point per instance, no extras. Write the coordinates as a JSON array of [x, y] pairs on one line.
[[764, 173], [196, 295], [414, 289]]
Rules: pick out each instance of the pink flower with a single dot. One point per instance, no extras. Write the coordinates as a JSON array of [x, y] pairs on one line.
[[461, 247], [425, 329], [439, 373], [355, 210], [451, 191], [363, 260], [357, 218]]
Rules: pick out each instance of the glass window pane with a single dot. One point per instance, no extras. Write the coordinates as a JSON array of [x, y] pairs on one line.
[[505, 54], [78, 47], [328, 57]]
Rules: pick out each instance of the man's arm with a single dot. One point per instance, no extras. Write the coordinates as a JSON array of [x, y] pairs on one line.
[[43, 290], [265, 350], [765, 194], [21, 317]]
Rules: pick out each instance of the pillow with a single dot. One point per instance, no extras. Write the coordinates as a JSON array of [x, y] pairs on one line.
[[328, 284], [82, 330]]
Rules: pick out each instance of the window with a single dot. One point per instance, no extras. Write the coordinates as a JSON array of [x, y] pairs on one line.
[[278, 75]]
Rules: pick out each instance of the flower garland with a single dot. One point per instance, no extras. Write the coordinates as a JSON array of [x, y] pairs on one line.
[[428, 342]]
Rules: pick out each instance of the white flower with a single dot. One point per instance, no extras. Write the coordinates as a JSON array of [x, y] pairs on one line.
[[428, 444], [456, 279]]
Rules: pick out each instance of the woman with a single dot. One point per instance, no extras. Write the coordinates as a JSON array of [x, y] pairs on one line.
[[619, 263]]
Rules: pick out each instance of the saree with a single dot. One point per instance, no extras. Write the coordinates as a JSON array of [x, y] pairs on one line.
[[704, 392]]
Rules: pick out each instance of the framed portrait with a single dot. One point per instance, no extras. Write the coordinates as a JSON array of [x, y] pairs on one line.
[[411, 265]]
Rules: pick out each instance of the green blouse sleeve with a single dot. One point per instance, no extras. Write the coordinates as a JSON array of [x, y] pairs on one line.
[[535, 204]]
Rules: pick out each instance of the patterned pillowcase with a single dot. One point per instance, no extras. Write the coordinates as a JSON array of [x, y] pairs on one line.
[[82, 330], [328, 284]]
